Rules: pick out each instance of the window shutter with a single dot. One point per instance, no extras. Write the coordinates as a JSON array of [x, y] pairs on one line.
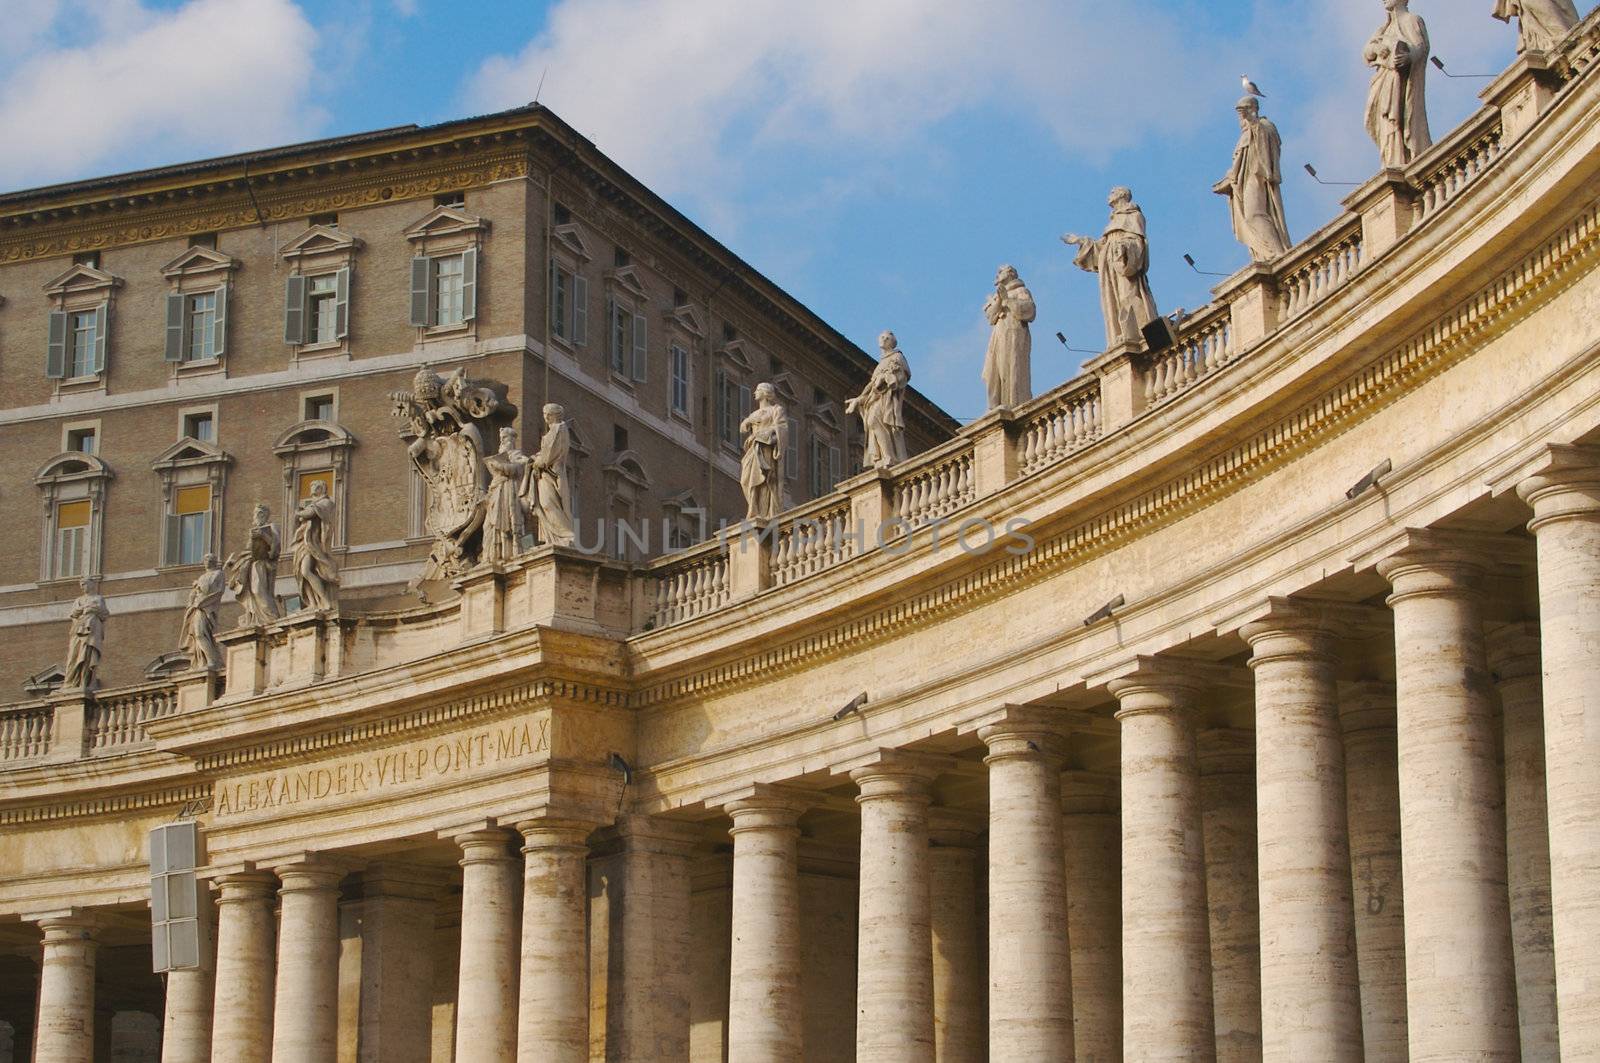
[[174, 540], [341, 304], [469, 284], [611, 335], [833, 468], [174, 327], [580, 311], [101, 317], [558, 319], [55, 359], [422, 283], [294, 310], [744, 402], [641, 346], [219, 324]]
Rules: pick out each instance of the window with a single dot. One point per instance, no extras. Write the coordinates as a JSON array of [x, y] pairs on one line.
[[304, 481], [729, 333], [82, 340], [725, 394], [199, 330], [205, 240], [450, 199], [791, 453], [444, 289], [620, 258], [319, 408], [619, 438], [680, 380], [679, 297], [87, 258], [331, 221], [317, 308], [201, 426], [72, 538], [560, 215], [819, 397], [569, 305], [189, 525], [824, 467], [629, 340], [322, 298], [449, 304], [81, 440]]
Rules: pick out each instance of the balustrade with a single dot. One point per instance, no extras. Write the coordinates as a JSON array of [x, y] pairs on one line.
[[1443, 183], [930, 493], [1072, 421], [1324, 272], [117, 719], [812, 543], [689, 587], [1204, 346], [25, 732]]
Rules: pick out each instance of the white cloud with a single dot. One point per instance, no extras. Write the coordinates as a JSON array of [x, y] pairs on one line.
[[115, 80]]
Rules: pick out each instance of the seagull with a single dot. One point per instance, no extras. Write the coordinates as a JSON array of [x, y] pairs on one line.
[[1250, 86]]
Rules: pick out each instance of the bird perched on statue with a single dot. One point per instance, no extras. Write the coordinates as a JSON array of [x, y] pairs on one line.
[[1250, 86]]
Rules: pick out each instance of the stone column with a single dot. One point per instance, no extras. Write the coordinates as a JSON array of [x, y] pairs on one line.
[[1030, 956], [1460, 984], [553, 993], [241, 1018], [1565, 496], [1514, 657], [1310, 983], [135, 1037], [1166, 963], [1372, 795], [894, 952], [764, 998], [958, 955], [397, 929], [1091, 834], [64, 1030], [486, 995], [1228, 825], [305, 1017], [186, 1020]]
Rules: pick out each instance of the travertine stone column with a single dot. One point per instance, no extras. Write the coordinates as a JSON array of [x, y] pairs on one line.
[[1565, 496], [1460, 983], [553, 997], [1092, 837], [894, 954], [1166, 962], [305, 1016], [1310, 983], [764, 999], [958, 954], [186, 1019], [241, 1018], [1030, 956], [135, 1037], [64, 1030], [397, 929], [1372, 794], [1514, 658], [486, 994], [1228, 822]]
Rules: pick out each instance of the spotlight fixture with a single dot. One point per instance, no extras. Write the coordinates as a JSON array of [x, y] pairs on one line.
[[853, 705], [616, 763], [1436, 61], [1370, 480], [1312, 170], [1075, 350], [1203, 272], [1105, 611]]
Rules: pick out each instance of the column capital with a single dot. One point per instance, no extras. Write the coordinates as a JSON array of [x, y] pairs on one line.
[[1428, 561], [1559, 482], [889, 773], [1153, 684], [485, 846], [1024, 731], [949, 829], [1513, 650], [1294, 616], [769, 807], [1365, 705], [1087, 793], [309, 874], [553, 833], [1225, 751], [66, 924], [234, 887]]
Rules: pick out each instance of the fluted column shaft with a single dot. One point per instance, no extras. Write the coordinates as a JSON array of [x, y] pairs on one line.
[[894, 954], [486, 997], [1030, 955], [764, 1000], [1310, 983], [1166, 963], [553, 993], [64, 1032], [958, 957], [186, 1021], [1092, 838], [1566, 522], [1228, 821], [241, 1017], [305, 1017], [1460, 983]]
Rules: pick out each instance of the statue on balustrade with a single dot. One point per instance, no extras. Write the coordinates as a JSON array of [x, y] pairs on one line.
[[252, 572], [314, 568], [1397, 102], [87, 641], [1254, 186], [1007, 365], [447, 421], [766, 436], [1541, 24], [548, 487], [1122, 258], [198, 639], [881, 405], [503, 521]]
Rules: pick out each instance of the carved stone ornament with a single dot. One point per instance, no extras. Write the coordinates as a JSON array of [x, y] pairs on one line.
[[86, 640], [766, 436], [252, 572], [1397, 101], [315, 570], [198, 638], [881, 405]]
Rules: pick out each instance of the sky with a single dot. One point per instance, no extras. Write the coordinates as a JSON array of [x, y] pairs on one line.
[[878, 159]]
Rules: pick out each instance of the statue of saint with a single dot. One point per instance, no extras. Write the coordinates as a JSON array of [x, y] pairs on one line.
[[252, 572], [1541, 24], [1397, 102], [88, 632], [1007, 372], [503, 521], [548, 486], [766, 433], [314, 567], [1122, 258], [1254, 186], [881, 405], [199, 636]]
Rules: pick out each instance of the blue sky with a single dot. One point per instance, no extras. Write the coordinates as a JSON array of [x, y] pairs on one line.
[[877, 158]]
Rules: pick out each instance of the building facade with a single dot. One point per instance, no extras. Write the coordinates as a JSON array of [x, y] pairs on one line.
[[1235, 701]]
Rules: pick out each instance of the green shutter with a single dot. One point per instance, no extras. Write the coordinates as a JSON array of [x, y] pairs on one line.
[[219, 324], [422, 283], [174, 541], [557, 309], [580, 311], [469, 284], [294, 310], [55, 358], [174, 327], [341, 303], [613, 352], [102, 317], [641, 346]]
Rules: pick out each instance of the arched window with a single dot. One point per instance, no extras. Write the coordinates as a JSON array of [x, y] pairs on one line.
[[74, 489], [193, 474], [313, 451]]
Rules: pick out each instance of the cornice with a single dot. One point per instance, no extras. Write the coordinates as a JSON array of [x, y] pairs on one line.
[[110, 804]]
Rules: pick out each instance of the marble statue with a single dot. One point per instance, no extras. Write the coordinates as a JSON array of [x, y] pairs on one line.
[[1397, 102], [252, 572], [1122, 258], [198, 640], [87, 640], [1007, 372], [447, 421], [314, 568], [503, 522], [548, 487], [881, 405], [1254, 185], [1541, 24], [766, 433]]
